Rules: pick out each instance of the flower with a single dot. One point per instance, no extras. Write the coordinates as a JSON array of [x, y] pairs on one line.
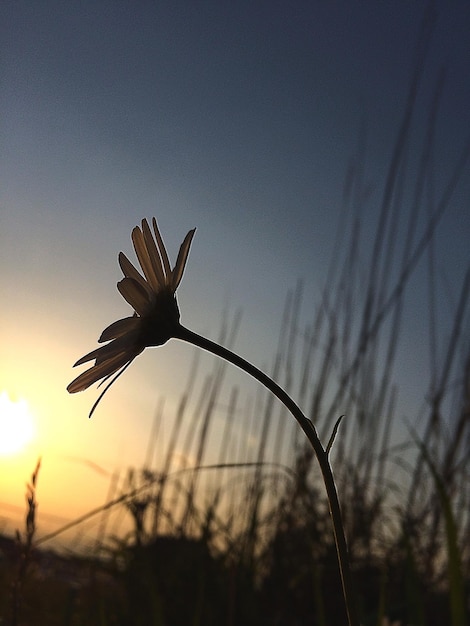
[[156, 313]]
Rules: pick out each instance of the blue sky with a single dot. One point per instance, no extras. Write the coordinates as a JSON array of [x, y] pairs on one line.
[[237, 118]]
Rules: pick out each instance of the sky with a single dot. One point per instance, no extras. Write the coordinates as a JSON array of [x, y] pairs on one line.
[[237, 118]]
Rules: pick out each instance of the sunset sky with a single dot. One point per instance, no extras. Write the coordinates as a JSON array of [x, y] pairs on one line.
[[237, 118]]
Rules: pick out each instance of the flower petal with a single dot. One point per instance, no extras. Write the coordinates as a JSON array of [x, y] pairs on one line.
[[154, 255], [101, 353], [114, 378], [134, 294], [130, 271], [126, 343], [120, 328], [95, 373], [162, 249], [177, 273], [144, 258]]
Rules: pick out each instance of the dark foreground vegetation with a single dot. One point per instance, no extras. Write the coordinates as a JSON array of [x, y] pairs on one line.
[[217, 577]]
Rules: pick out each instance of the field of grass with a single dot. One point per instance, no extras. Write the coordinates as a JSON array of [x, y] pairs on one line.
[[248, 539]]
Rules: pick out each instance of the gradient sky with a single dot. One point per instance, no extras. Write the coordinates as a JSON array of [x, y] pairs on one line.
[[239, 118]]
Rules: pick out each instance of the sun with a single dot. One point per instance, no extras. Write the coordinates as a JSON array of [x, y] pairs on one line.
[[16, 425]]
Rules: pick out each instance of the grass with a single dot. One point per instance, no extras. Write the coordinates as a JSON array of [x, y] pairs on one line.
[[24, 549], [238, 538]]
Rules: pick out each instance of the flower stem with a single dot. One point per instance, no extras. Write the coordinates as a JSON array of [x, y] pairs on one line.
[[322, 455]]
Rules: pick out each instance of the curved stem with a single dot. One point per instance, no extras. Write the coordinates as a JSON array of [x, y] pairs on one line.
[[322, 455]]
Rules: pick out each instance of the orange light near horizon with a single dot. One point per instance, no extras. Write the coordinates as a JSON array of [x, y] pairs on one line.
[[17, 426]]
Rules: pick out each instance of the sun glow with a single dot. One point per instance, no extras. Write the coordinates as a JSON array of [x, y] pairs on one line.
[[16, 425]]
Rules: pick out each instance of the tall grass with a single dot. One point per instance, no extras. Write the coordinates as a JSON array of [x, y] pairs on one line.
[[25, 548]]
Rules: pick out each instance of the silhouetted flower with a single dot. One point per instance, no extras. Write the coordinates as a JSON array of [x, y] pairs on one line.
[[152, 296]]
